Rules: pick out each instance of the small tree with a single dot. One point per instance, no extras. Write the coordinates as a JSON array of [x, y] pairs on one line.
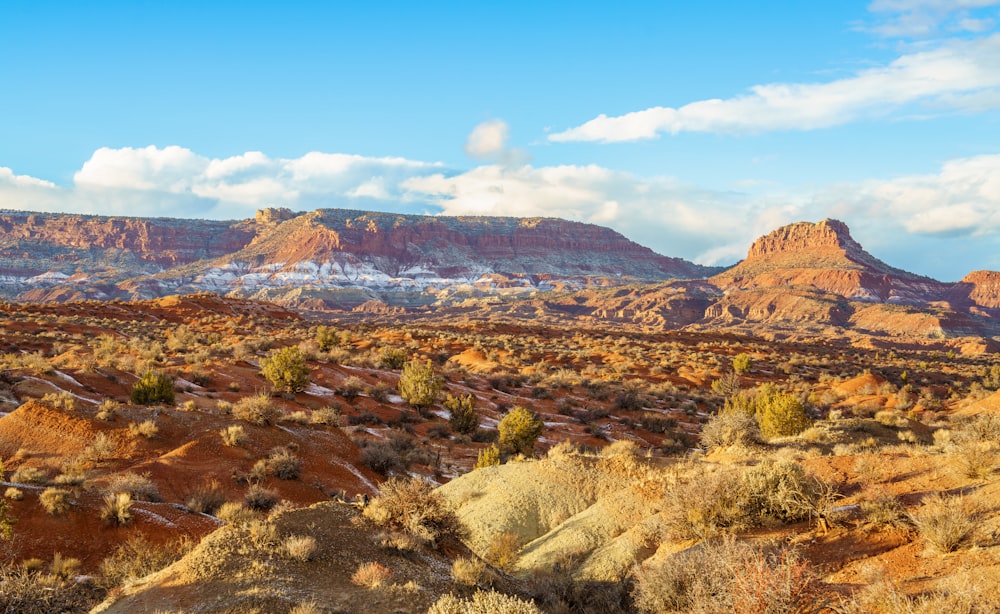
[[519, 430], [463, 414], [286, 369], [418, 384], [153, 387]]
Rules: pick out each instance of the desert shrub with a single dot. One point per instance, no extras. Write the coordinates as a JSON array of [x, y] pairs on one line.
[[742, 363], [206, 498], [380, 392], [101, 448], [519, 430], [296, 417], [139, 486], [146, 428], [137, 557], [235, 513], [392, 358], [351, 386], [55, 501], [371, 575], [29, 475], [418, 385], [284, 465], [412, 507], [13, 493], [727, 385], [152, 388], [488, 457], [60, 400], [327, 338], [630, 397], [307, 607], [778, 491], [503, 551], [259, 499], [299, 547], [382, 457], [468, 570], [107, 410], [234, 435], [705, 504], [117, 508], [462, 411], [483, 602], [730, 428], [29, 592], [326, 415], [779, 413], [884, 512], [727, 576], [257, 409], [286, 369], [946, 523]]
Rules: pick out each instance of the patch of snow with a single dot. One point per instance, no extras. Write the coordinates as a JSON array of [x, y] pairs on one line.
[[73, 394], [319, 391], [357, 474], [395, 398]]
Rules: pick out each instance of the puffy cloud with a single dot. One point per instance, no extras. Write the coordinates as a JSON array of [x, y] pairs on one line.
[[488, 140], [963, 199], [932, 78]]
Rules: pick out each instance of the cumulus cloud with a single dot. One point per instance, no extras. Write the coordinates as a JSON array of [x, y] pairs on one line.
[[935, 78], [962, 199], [175, 181]]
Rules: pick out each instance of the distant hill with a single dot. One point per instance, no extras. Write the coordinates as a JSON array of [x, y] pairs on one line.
[[327, 258]]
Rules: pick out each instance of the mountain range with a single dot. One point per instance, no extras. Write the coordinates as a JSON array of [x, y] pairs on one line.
[[804, 279]]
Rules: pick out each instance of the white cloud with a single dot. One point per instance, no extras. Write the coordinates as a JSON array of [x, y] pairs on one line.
[[931, 78], [175, 181], [925, 18], [488, 140]]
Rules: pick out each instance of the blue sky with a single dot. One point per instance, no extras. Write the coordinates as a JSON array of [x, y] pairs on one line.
[[689, 127]]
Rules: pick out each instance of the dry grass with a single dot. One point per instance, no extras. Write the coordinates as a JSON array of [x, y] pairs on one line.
[[371, 575], [146, 428], [412, 507], [234, 436], [299, 547], [116, 508], [946, 523], [257, 409], [139, 486], [483, 602], [467, 570], [55, 501]]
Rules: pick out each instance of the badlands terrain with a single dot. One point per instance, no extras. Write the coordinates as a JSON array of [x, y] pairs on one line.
[[346, 411]]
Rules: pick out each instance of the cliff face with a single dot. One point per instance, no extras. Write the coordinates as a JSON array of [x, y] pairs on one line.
[[823, 256], [66, 257]]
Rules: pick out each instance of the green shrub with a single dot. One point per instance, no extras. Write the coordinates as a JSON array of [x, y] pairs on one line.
[[286, 370], [392, 358], [418, 385], [463, 413], [742, 363], [488, 457], [153, 388], [519, 430]]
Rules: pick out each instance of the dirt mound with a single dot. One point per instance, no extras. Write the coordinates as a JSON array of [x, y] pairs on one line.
[[245, 569]]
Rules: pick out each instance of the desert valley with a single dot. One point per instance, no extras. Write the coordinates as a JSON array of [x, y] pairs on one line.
[[345, 411]]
